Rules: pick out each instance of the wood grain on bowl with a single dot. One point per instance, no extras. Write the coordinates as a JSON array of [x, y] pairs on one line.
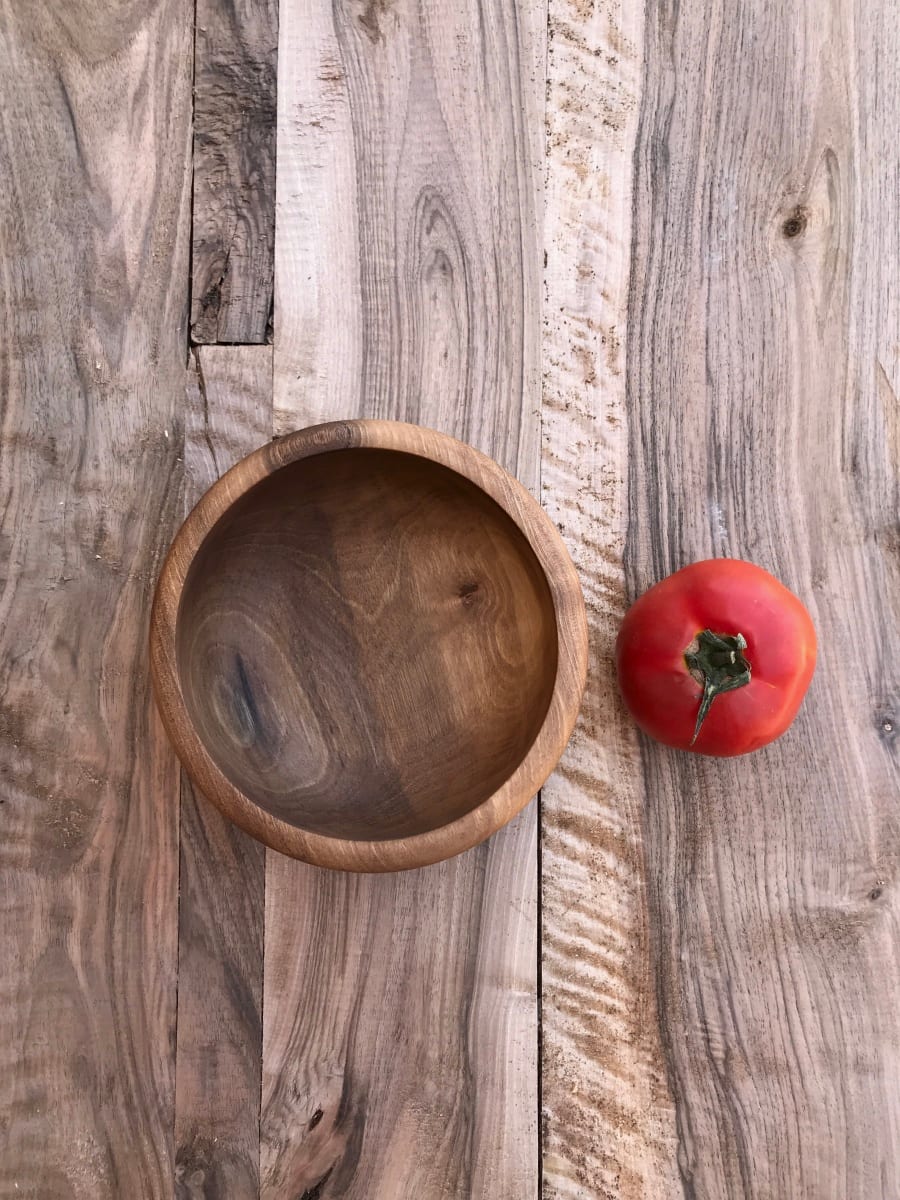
[[369, 645]]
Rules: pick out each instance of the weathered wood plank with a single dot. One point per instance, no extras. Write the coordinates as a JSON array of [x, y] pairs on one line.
[[608, 1128], [220, 923], [400, 1028], [410, 151], [228, 412], [94, 238], [400, 1012], [763, 369], [234, 170]]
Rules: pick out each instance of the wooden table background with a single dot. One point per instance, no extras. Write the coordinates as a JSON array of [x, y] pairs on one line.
[[645, 255]]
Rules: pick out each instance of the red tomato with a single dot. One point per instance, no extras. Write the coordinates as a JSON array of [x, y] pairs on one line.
[[716, 658]]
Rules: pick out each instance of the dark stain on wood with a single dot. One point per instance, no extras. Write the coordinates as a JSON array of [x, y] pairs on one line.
[[795, 224], [317, 1191], [244, 706]]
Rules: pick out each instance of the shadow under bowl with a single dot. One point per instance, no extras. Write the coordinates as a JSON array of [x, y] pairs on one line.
[[368, 645]]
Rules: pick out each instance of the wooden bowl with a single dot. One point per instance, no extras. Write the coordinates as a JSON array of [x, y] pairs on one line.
[[368, 645]]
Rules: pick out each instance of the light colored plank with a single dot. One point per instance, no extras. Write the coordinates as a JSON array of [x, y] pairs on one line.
[[233, 256], [220, 915], [94, 237], [763, 370], [400, 1012], [608, 1127], [407, 275]]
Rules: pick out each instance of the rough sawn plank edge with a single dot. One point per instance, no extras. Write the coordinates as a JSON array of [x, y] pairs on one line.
[[607, 1118], [233, 241]]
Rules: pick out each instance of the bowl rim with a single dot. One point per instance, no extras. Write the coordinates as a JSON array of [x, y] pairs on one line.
[[530, 774]]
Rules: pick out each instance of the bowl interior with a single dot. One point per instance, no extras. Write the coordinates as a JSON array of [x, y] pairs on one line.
[[366, 644]]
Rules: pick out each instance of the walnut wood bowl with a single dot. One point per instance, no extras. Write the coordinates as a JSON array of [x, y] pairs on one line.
[[368, 645]]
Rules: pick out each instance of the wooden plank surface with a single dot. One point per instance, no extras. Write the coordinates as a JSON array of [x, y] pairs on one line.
[[721, 364], [233, 258], [407, 275], [763, 366], [220, 916], [400, 1012], [608, 1128], [94, 239]]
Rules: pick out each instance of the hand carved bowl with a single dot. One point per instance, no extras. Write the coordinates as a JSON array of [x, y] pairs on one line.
[[368, 645]]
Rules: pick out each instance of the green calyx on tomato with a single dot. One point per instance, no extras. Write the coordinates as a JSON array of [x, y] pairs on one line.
[[718, 659], [691, 639]]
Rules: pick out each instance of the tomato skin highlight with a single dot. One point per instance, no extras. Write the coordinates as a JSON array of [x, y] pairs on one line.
[[728, 597]]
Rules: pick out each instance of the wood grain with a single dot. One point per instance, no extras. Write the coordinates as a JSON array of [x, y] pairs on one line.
[[608, 1128], [399, 1028], [407, 275], [94, 232], [763, 372], [221, 909], [235, 58]]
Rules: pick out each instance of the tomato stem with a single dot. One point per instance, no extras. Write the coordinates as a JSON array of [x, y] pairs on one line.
[[718, 658]]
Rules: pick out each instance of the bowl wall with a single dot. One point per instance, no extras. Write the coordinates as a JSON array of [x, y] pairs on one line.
[[366, 644]]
